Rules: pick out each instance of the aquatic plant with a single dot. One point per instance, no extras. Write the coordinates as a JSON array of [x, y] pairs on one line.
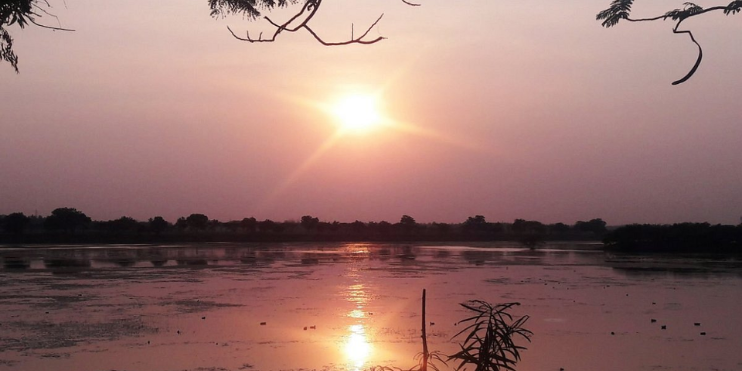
[[490, 341]]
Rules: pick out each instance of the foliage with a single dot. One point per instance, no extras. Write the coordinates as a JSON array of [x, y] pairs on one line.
[[621, 10], [681, 237], [490, 337], [22, 13], [15, 223], [67, 219], [158, 224], [197, 221], [248, 8]]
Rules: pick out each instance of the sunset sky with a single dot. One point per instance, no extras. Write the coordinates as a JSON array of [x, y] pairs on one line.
[[507, 109]]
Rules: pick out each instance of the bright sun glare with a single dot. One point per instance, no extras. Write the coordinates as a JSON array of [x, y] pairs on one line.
[[357, 113]]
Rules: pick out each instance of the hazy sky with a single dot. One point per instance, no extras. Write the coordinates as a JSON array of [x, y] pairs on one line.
[[513, 109]]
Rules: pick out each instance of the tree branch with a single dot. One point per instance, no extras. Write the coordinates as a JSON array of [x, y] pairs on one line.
[[620, 9], [309, 9]]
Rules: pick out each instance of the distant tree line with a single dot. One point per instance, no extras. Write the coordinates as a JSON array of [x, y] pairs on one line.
[[681, 237], [70, 225]]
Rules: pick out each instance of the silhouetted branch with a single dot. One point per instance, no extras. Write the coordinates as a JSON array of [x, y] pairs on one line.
[[621, 9], [309, 9]]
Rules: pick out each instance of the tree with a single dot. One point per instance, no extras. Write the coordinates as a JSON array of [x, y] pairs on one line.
[[158, 224], [475, 223], [596, 226], [23, 13], [621, 9], [249, 224], [15, 223], [67, 219], [197, 221], [309, 222]]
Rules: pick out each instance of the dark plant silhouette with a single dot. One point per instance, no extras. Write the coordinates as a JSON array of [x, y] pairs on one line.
[[67, 219], [15, 223], [299, 21], [621, 9], [22, 13], [490, 337]]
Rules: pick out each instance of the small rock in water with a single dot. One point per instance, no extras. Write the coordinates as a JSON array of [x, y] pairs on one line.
[[653, 320], [313, 327], [703, 334], [178, 332], [263, 323], [664, 327], [613, 333], [697, 324], [432, 323], [204, 317]]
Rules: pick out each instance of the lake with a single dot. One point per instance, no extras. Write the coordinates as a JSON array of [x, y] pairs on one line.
[[355, 306]]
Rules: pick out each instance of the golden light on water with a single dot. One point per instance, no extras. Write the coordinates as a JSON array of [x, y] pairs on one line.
[[357, 347]]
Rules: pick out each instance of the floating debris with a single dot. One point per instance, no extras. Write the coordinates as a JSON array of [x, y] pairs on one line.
[[664, 327], [263, 323], [703, 334], [697, 324], [653, 320]]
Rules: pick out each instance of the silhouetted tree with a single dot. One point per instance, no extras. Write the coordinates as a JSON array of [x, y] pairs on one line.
[[249, 224], [267, 226], [407, 221], [15, 223], [596, 226], [181, 223], [197, 221], [123, 224], [67, 219], [621, 9], [158, 225], [475, 223], [530, 233], [309, 222]]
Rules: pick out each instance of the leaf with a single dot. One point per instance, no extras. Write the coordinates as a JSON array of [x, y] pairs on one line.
[[618, 10]]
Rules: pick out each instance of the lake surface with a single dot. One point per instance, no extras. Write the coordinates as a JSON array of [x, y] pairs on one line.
[[354, 306]]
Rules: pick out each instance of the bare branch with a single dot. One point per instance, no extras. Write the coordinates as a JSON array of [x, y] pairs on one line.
[[409, 3], [309, 9], [49, 27], [358, 40]]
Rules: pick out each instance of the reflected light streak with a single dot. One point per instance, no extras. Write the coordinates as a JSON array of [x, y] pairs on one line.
[[357, 347]]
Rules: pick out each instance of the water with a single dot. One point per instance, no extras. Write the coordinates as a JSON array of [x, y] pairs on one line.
[[354, 306]]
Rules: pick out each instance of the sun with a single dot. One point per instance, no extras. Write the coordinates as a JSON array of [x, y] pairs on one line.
[[357, 113]]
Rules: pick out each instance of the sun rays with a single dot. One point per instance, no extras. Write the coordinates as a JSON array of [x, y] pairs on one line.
[[362, 116]]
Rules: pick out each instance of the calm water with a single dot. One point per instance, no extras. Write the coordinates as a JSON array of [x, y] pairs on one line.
[[353, 306]]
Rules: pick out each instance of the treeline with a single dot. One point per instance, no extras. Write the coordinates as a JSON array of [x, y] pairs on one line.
[[682, 237], [69, 225]]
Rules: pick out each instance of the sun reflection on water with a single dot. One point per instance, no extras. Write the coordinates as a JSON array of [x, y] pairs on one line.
[[357, 348]]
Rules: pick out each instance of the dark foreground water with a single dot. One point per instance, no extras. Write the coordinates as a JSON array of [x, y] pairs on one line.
[[354, 306]]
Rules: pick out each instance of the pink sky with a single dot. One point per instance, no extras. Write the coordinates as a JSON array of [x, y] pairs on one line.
[[536, 112]]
